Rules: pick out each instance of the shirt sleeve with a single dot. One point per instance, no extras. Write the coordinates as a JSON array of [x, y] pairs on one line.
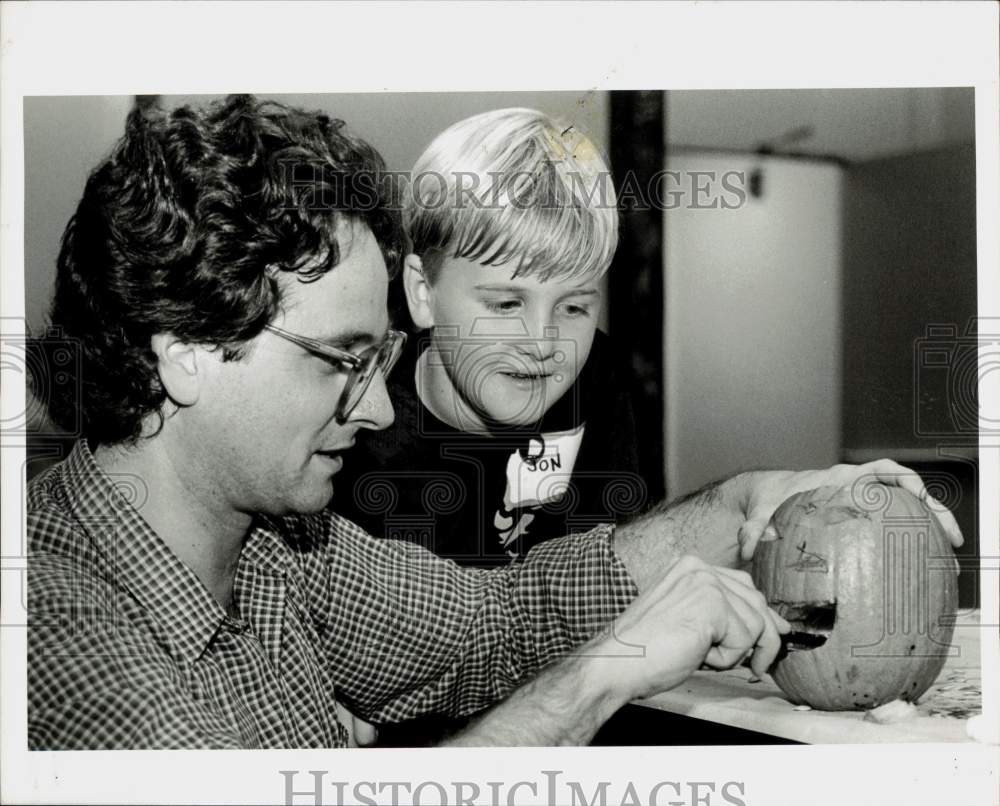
[[405, 632]]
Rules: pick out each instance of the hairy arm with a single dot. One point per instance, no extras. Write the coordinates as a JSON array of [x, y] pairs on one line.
[[705, 524], [564, 705]]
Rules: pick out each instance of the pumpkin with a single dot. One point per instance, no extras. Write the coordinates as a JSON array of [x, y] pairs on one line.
[[866, 576]]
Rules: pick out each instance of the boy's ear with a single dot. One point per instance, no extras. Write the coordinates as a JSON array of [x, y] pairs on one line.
[[418, 292], [178, 367]]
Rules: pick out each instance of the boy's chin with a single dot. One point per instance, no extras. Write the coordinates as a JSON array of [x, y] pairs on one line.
[[501, 421], [519, 408], [515, 416]]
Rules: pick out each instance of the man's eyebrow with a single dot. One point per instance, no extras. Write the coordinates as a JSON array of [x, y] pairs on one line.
[[347, 338]]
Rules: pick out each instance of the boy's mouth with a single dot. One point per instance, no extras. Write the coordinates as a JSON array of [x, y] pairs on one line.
[[527, 380], [527, 377]]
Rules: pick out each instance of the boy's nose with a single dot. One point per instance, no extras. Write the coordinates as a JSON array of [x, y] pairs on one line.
[[536, 349], [541, 336]]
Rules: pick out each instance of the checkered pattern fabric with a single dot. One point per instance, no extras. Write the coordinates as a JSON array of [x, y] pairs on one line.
[[127, 649]]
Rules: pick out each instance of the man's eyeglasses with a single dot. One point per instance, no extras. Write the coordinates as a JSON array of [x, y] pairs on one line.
[[362, 367]]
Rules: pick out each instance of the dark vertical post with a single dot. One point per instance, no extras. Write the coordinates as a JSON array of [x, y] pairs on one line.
[[635, 284]]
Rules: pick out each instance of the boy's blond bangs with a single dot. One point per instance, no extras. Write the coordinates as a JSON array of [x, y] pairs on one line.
[[513, 186]]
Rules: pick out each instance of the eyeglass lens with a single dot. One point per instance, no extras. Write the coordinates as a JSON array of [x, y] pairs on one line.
[[382, 357]]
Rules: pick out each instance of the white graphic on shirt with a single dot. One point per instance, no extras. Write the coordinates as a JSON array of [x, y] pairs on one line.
[[535, 478]]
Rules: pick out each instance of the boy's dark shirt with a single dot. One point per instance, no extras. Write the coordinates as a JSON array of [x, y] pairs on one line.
[[424, 481]]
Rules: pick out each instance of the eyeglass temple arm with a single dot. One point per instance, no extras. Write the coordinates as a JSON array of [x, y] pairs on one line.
[[318, 346]]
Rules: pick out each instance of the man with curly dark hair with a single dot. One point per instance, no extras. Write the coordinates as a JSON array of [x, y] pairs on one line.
[[225, 278]]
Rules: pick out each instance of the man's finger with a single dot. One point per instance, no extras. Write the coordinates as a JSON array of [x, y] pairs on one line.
[[761, 621], [888, 472], [750, 534], [736, 574], [752, 595], [732, 646], [739, 627], [945, 518]]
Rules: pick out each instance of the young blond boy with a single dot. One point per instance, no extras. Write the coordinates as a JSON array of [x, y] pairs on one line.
[[510, 427]]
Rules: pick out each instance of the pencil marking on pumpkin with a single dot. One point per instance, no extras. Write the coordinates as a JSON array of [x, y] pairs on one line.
[[809, 561]]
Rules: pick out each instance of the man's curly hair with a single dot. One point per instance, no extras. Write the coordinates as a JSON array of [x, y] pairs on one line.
[[183, 230]]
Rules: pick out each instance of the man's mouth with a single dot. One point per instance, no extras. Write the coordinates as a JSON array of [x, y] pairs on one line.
[[334, 455]]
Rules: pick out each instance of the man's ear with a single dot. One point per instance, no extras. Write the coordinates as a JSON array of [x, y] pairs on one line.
[[178, 365], [418, 292]]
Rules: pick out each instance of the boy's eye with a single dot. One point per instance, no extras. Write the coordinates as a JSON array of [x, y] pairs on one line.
[[576, 310], [502, 305]]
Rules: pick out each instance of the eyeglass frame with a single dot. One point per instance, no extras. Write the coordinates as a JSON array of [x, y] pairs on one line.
[[395, 340]]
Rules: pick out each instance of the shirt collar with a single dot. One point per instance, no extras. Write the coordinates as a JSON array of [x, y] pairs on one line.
[[266, 547], [185, 615]]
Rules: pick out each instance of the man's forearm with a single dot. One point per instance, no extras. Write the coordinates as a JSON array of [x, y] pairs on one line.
[[564, 705], [705, 524], [694, 614]]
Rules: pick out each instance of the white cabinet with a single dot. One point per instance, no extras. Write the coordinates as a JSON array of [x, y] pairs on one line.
[[752, 317]]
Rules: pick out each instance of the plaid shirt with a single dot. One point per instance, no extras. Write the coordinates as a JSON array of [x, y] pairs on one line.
[[127, 649]]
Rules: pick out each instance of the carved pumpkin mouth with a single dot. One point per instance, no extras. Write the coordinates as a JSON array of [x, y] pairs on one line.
[[812, 624]]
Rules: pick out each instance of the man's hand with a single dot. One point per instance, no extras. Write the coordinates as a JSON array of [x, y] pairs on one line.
[[767, 490], [698, 614], [723, 522]]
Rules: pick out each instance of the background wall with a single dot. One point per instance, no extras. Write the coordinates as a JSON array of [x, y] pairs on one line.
[[852, 124], [909, 263], [64, 138]]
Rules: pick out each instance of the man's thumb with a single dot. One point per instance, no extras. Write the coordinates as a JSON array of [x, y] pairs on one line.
[[751, 533]]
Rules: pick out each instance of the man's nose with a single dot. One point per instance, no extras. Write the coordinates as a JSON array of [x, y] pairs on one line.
[[374, 410]]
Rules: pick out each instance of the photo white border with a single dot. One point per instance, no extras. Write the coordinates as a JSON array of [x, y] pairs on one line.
[[179, 48]]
